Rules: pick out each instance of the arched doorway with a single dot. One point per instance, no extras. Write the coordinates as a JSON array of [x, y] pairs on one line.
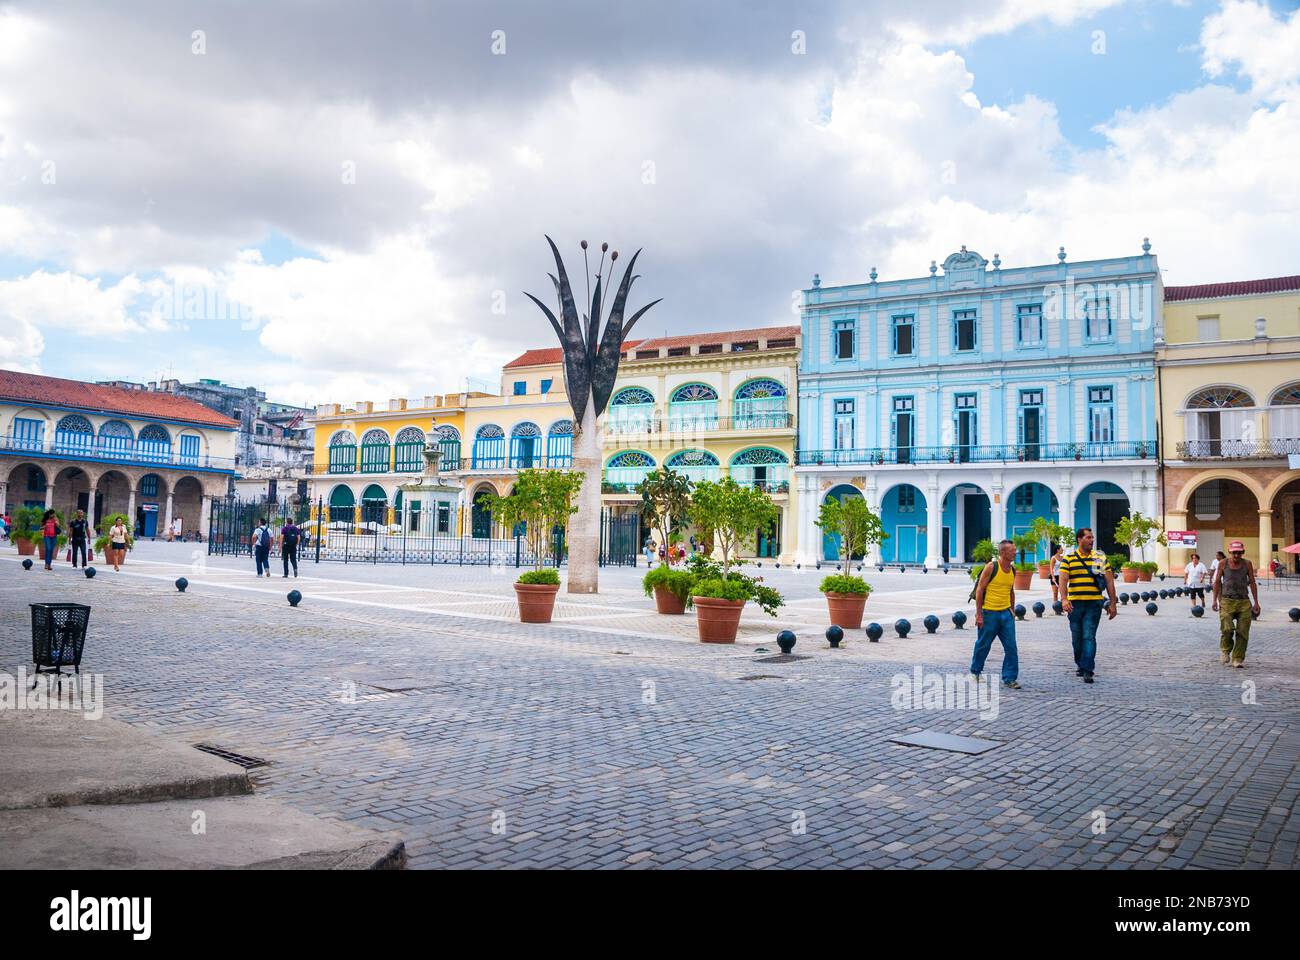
[[27, 486], [72, 492], [1220, 510], [1025, 503], [967, 519], [831, 541], [342, 504], [1101, 506], [187, 505], [113, 495], [1286, 523], [374, 505], [903, 513], [481, 514], [150, 510]]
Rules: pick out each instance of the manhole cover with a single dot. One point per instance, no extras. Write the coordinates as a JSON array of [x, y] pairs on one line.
[[238, 759], [399, 684], [760, 676], [934, 740], [783, 658]]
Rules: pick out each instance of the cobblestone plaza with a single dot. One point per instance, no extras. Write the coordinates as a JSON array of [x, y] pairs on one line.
[[411, 699]]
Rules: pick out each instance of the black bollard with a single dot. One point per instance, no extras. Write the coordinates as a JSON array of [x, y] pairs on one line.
[[785, 640]]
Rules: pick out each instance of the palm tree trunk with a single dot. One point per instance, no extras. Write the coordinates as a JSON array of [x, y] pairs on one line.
[[584, 529]]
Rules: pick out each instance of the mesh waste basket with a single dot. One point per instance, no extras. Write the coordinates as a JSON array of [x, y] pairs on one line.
[[58, 635]]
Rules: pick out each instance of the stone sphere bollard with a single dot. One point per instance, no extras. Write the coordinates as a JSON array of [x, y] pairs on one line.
[[1152, 608], [294, 598], [931, 623], [181, 584], [902, 628], [874, 632], [90, 573], [959, 619], [834, 634], [1058, 607], [1020, 611], [27, 564], [1294, 614], [1038, 608]]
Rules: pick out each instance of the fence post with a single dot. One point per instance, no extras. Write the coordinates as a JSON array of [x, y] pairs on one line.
[[320, 525], [516, 551], [347, 539]]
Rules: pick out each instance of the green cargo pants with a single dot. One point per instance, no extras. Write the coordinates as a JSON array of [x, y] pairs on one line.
[[1241, 610]]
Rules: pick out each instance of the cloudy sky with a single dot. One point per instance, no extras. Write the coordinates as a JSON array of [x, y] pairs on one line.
[[340, 201]]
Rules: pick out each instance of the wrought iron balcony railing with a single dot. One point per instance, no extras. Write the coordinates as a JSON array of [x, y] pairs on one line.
[[1238, 449], [116, 451], [984, 453], [682, 423]]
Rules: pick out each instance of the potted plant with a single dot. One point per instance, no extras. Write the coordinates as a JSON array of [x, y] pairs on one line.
[[103, 544], [541, 503], [26, 522], [1044, 531], [1025, 542], [36, 538], [1129, 570], [1147, 570], [728, 515], [981, 554], [1135, 531], [670, 588], [857, 528]]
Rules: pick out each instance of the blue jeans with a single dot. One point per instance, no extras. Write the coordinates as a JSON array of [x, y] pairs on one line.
[[1000, 624], [263, 557], [51, 547], [1084, 617]]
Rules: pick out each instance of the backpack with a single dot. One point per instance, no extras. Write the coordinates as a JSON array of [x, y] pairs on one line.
[[263, 537], [290, 535], [976, 585]]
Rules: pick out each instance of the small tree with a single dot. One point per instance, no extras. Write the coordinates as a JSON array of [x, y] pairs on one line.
[[1135, 531], [665, 502], [542, 502], [1024, 543], [730, 515], [1044, 532], [857, 526]]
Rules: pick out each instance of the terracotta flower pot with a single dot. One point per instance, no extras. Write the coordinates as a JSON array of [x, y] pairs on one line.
[[1144, 576], [25, 548], [536, 601], [717, 620], [845, 609], [1129, 574], [1044, 571], [668, 602], [1023, 580]]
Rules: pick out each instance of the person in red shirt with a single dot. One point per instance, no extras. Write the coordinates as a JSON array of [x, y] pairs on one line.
[[50, 533]]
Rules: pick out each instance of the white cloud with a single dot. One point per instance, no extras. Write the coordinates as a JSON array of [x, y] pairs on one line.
[[1263, 47], [71, 302], [968, 22]]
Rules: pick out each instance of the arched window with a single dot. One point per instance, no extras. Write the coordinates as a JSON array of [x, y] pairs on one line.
[[154, 443], [374, 504], [693, 406], [342, 504], [343, 452], [631, 410], [761, 404], [489, 448], [408, 450], [696, 465], [449, 440], [1284, 419], [116, 440], [1221, 423], [559, 444], [74, 434], [525, 446], [374, 451], [762, 467], [626, 469]]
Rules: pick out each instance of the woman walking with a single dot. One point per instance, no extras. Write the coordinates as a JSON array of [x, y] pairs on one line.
[[1194, 579], [50, 535], [118, 537], [1057, 555]]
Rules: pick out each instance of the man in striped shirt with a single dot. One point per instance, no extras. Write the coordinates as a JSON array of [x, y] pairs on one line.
[[1084, 579]]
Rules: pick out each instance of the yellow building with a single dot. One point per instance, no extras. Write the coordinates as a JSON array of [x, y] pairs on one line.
[[1228, 387], [707, 405], [363, 453]]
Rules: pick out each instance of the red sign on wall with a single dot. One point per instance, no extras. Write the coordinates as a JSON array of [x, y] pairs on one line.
[[1184, 539]]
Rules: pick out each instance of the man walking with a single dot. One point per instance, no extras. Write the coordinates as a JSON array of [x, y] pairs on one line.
[[78, 530], [995, 598], [1232, 580], [262, 547], [289, 537], [1085, 577]]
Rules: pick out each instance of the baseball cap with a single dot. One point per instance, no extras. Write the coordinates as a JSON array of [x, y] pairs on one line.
[[1235, 546]]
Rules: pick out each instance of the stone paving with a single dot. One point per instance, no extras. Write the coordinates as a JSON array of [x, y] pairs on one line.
[[410, 699]]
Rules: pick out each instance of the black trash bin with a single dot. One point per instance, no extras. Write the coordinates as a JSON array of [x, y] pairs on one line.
[[58, 637]]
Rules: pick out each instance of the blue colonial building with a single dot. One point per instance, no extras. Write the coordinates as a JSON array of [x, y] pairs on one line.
[[965, 403]]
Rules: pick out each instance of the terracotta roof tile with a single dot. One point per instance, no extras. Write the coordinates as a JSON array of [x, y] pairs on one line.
[[75, 395], [541, 355], [1237, 288], [722, 336]]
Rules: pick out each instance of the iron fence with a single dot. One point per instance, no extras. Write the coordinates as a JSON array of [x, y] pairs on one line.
[[358, 535]]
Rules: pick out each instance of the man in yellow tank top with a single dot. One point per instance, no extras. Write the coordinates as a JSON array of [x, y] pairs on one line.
[[995, 599]]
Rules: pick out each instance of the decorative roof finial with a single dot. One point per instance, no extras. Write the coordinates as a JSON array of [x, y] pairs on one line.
[[933, 268], [1146, 244], [817, 279], [997, 261], [1061, 256], [874, 274], [963, 248]]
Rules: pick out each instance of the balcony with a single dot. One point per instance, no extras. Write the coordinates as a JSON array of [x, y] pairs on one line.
[[989, 453], [1272, 448], [684, 425], [116, 451]]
